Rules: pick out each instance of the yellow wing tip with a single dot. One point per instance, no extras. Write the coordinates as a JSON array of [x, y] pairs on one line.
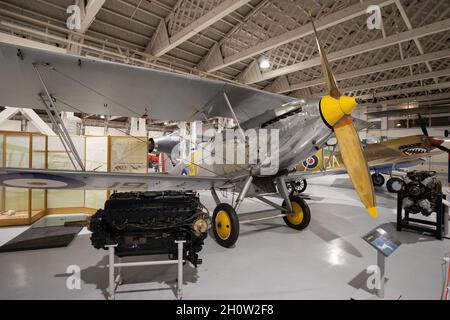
[[373, 212]]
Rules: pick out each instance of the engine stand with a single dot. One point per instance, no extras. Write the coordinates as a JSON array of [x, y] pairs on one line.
[[114, 282]]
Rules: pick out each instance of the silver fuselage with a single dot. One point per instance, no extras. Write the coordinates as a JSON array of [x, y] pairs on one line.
[[302, 132]]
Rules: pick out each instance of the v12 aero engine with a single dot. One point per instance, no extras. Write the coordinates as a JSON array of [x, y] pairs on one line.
[[148, 223], [421, 192]]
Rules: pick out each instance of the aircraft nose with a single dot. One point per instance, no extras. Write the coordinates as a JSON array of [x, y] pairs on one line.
[[435, 141], [333, 109]]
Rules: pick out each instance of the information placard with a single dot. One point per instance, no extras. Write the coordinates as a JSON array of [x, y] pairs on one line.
[[381, 240]]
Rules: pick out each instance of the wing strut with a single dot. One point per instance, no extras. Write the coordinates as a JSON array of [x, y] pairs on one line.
[[59, 126], [333, 152], [234, 116]]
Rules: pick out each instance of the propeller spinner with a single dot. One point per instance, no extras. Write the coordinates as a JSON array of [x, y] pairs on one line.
[[336, 111]]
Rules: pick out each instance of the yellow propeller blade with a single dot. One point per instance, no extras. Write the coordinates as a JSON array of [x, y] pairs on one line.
[[326, 69], [355, 162], [336, 110]]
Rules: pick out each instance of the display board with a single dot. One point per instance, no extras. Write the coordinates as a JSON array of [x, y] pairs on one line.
[[128, 154], [381, 240]]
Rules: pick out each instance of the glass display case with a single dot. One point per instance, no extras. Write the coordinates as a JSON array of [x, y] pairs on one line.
[[33, 150], [22, 150]]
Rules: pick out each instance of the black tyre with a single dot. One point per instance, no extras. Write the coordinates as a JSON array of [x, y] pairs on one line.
[[300, 185], [302, 215], [377, 179], [395, 185], [225, 223]]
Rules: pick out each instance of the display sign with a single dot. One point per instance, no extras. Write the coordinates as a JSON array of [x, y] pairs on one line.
[[382, 241]]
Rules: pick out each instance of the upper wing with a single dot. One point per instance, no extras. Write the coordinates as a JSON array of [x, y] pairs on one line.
[[59, 179], [95, 86]]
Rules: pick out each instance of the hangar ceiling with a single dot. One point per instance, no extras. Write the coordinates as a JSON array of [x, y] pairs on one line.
[[409, 58]]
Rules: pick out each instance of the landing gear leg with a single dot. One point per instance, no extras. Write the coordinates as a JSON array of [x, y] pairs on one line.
[[284, 192], [298, 215]]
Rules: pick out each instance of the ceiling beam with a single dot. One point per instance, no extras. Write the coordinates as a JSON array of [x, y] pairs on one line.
[[88, 14], [19, 41], [298, 33], [392, 82], [384, 94], [409, 26], [214, 55], [430, 97], [364, 71], [397, 81], [162, 43], [251, 76], [91, 10]]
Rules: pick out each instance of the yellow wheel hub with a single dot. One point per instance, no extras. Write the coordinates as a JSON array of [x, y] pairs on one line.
[[223, 225], [297, 217]]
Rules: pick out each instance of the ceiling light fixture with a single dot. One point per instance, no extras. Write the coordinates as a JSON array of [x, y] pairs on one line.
[[264, 63]]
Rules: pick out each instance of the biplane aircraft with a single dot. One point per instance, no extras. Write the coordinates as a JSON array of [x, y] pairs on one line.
[[34, 78]]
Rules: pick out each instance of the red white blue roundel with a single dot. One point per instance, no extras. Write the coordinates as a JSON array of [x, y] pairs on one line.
[[37, 180], [311, 162]]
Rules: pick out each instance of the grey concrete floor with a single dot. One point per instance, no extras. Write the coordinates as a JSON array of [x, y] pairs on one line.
[[270, 261]]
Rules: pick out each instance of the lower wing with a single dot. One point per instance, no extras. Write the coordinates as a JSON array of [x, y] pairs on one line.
[[59, 179], [382, 167]]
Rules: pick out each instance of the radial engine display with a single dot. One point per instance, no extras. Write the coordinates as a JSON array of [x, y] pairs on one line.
[[421, 192]]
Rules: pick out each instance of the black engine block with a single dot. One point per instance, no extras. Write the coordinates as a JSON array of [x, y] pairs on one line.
[[149, 223]]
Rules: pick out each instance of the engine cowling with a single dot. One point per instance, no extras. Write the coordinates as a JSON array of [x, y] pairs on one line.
[[163, 144]]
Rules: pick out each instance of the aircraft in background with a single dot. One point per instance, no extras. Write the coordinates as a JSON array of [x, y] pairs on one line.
[[382, 158]]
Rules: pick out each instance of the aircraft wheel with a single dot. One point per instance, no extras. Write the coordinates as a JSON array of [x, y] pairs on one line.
[[300, 185], [302, 215], [225, 225], [395, 185], [377, 179]]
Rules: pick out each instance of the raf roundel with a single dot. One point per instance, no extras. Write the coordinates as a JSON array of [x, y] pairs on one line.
[[36, 180], [311, 162]]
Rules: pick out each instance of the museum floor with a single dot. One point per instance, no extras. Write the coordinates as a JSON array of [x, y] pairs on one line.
[[270, 261]]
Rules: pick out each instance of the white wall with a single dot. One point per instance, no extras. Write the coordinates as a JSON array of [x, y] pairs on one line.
[[94, 131], [11, 125]]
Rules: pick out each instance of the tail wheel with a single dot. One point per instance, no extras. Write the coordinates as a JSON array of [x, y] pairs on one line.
[[301, 216], [225, 225], [377, 179], [395, 185]]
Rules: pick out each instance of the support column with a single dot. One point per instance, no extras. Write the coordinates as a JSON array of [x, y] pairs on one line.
[[381, 262], [138, 127]]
